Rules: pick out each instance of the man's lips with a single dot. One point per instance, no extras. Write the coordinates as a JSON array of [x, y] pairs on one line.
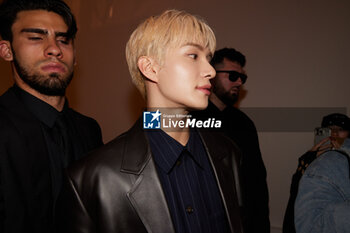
[[235, 89], [205, 89], [53, 67]]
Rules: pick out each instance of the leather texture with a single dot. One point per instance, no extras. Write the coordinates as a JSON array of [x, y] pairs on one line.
[[117, 189]]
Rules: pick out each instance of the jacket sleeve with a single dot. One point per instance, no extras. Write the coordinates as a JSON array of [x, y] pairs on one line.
[[304, 161], [71, 214], [323, 200]]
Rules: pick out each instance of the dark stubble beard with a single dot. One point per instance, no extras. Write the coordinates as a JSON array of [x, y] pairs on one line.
[[50, 85], [225, 96], [228, 99]]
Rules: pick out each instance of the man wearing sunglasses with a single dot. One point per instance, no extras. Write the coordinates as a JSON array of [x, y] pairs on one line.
[[230, 76]]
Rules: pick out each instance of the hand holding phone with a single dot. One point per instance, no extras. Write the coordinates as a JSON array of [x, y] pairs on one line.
[[321, 133], [322, 140]]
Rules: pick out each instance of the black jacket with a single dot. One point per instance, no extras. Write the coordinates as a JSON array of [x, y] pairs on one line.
[[25, 180], [241, 129], [117, 189]]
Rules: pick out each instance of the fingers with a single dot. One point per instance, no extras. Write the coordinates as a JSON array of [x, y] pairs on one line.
[[324, 148], [321, 143], [335, 144]]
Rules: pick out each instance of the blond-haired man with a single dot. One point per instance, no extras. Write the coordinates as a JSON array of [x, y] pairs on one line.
[[178, 180]]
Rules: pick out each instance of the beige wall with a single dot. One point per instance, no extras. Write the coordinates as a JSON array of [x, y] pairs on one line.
[[298, 55]]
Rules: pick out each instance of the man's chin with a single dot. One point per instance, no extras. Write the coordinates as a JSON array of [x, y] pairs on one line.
[[197, 108], [230, 100], [54, 85]]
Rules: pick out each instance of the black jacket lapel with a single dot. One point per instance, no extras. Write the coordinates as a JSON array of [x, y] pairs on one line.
[[146, 195]]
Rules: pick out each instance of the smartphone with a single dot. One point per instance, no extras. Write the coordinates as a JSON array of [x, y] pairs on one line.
[[321, 133]]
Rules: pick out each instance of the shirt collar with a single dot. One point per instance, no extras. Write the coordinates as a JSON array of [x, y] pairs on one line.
[[196, 148], [166, 150], [40, 109]]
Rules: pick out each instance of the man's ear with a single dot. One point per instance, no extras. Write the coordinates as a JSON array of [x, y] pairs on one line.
[[5, 50], [148, 67]]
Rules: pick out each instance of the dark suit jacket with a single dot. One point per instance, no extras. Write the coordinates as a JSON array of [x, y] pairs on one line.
[[24, 166], [117, 189]]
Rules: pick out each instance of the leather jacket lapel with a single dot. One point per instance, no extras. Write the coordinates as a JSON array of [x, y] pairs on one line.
[[146, 194], [148, 199]]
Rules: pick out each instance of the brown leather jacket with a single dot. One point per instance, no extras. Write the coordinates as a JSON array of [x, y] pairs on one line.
[[117, 189]]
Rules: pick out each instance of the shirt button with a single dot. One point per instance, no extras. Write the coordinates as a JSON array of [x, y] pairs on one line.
[[189, 209], [178, 163]]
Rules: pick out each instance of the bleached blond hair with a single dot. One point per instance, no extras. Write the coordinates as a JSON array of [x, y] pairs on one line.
[[154, 36]]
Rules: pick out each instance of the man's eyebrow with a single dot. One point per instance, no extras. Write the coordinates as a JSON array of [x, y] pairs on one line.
[[200, 47], [35, 30], [63, 34], [43, 32], [194, 44]]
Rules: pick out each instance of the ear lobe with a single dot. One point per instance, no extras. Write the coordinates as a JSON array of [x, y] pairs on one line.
[[5, 50], [148, 67]]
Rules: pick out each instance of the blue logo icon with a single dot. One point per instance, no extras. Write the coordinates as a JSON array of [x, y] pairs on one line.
[[151, 120]]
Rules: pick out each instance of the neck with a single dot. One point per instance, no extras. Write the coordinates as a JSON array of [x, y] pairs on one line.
[[217, 102], [174, 114], [55, 101]]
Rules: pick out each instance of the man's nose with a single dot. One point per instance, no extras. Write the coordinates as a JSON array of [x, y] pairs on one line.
[[334, 132], [239, 81], [209, 71], [53, 49]]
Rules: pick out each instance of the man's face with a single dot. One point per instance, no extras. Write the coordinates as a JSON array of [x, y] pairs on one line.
[[183, 79], [43, 56], [226, 90], [338, 134]]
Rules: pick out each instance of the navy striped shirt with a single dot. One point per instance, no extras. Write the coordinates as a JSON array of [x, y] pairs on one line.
[[189, 184]]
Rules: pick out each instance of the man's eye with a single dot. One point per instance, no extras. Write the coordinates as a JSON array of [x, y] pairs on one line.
[[34, 38], [64, 41], [194, 56]]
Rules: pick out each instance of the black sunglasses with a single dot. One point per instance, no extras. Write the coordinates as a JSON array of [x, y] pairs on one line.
[[234, 75]]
